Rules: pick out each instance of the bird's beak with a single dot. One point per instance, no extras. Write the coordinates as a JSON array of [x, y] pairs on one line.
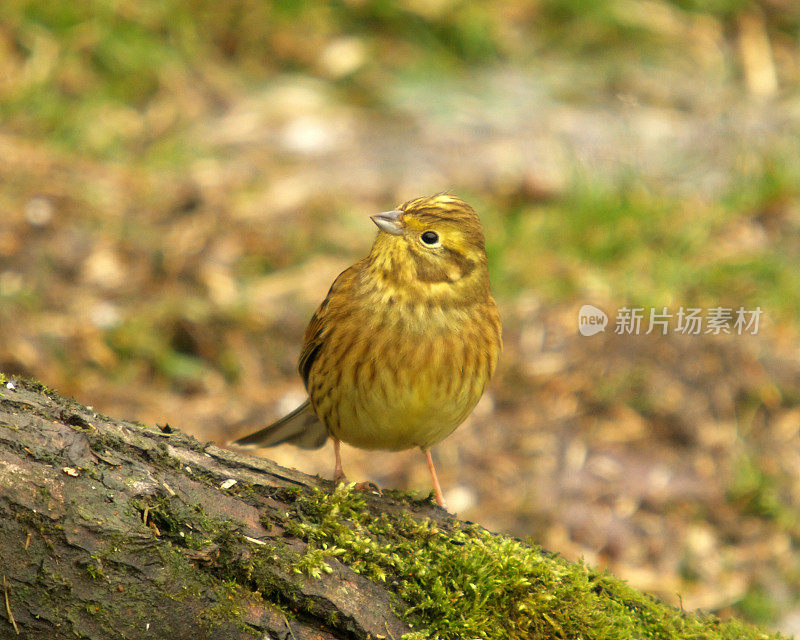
[[390, 221]]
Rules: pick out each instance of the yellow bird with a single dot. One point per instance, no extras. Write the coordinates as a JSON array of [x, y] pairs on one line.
[[403, 346]]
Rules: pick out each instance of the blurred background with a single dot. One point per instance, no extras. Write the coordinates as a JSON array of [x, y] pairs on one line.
[[180, 182]]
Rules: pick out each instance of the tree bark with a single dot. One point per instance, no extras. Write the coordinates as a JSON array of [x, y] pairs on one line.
[[111, 529]]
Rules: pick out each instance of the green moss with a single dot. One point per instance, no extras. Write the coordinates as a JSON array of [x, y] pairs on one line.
[[95, 571], [460, 581], [34, 385], [313, 561], [186, 525], [228, 596]]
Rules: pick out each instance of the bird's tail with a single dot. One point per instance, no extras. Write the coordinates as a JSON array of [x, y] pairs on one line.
[[301, 428]]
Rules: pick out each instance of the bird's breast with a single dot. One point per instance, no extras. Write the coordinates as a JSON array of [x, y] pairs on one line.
[[409, 374]]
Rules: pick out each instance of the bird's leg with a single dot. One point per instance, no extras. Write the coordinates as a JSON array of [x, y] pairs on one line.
[[338, 472], [436, 486]]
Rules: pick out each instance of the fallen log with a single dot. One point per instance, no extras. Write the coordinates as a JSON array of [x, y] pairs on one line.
[[113, 529]]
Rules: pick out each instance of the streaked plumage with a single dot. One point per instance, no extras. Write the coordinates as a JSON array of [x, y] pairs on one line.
[[401, 349]]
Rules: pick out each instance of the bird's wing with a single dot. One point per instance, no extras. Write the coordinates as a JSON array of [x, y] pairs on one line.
[[301, 428], [317, 328]]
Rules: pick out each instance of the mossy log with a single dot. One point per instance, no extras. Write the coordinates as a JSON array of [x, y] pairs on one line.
[[112, 529]]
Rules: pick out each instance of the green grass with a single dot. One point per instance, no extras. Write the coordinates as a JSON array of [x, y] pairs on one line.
[[92, 76], [127, 80], [99, 76], [632, 246]]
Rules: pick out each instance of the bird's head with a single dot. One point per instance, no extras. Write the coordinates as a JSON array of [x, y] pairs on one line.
[[429, 242]]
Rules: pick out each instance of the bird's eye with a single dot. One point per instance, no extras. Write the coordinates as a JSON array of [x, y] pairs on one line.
[[430, 238]]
